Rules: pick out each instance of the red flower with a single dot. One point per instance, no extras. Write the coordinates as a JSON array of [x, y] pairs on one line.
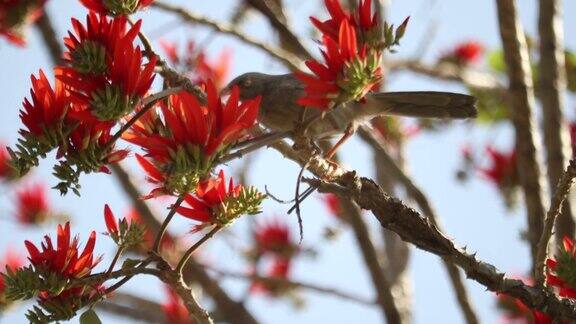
[[332, 203], [195, 64], [111, 222], [349, 72], [116, 7], [274, 237], [111, 96], [66, 262], [561, 272], [362, 19], [515, 312], [12, 261], [44, 116], [32, 205], [16, 15], [503, 171], [279, 269], [92, 47], [174, 309], [64, 259], [6, 171], [198, 135], [206, 206], [465, 53]]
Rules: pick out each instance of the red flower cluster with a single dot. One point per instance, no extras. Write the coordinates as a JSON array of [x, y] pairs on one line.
[[353, 51], [12, 261], [187, 138], [194, 63], [279, 269], [274, 238], [105, 80], [561, 272], [174, 309], [275, 249], [572, 129], [32, 204], [133, 216], [64, 261], [332, 204], [16, 16], [214, 203], [116, 7], [106, 74], [465, 53], [503, 170]]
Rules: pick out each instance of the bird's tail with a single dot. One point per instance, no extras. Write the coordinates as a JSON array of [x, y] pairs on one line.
[[421, 104]]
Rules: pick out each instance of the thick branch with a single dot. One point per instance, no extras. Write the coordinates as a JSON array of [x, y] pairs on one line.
[[190, 17], [552, 85], [413, 228], [562, 190], [420, 198], [523, 102]]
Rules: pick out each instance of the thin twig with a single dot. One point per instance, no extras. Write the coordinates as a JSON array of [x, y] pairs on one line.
[[254, 144], [288, 39], [193, 248], [160, 235], [275, 281], [522, 104], [116, 257], [190, 17], [551, 89], [562, 190]]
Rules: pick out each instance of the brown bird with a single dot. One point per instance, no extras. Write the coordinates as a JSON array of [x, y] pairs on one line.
[[279, 110]]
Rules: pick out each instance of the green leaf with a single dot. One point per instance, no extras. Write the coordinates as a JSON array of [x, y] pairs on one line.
[[90, 317], [496, 61]]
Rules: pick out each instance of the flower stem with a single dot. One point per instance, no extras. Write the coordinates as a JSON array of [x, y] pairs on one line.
[[116, 257], [193, 248], [169, 217]]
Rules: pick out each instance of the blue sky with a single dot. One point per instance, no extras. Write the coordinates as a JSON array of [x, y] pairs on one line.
[[473, 214]]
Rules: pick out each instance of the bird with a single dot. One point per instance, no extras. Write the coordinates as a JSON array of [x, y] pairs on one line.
[[280, 111]]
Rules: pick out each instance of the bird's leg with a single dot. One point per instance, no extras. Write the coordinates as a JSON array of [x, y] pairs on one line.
[[347, 134]]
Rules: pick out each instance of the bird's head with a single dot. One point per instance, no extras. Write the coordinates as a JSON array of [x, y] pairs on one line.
[[250, 84]]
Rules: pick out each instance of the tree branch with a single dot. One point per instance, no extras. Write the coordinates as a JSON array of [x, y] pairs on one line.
[[276, 18], [190, 17], [552, 85], [413, 228], [562, 190], [420, 198], [296, 284], [523, 102]]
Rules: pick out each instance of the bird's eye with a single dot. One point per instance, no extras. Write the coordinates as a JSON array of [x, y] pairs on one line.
[[246, 83]]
